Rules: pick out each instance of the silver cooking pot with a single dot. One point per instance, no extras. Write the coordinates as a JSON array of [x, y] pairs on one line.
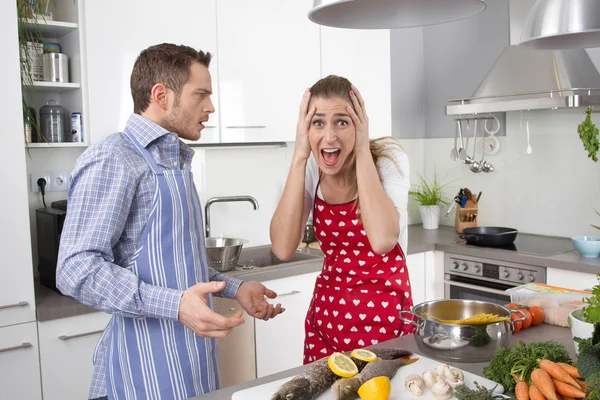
[[453, 342]]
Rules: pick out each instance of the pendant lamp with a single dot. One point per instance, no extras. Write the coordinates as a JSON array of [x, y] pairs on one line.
[[562, 24], [390, 14]]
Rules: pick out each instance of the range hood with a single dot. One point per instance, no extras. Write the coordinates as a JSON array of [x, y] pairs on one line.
[[522, 79]]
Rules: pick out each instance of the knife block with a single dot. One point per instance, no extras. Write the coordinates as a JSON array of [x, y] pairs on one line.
[[467, 217]]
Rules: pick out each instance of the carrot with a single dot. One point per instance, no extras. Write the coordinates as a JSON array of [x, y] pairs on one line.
[[568, 390], [571, 370], [582, 384], [568, 398], [535, 394], [522, 391], [558, 373], [542, 380]]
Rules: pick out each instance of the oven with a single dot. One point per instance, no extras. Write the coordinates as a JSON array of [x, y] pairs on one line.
[[475, 278]]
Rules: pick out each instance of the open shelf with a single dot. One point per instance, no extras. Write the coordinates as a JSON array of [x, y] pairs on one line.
[[55, 145], [53, 87], [53, 29]]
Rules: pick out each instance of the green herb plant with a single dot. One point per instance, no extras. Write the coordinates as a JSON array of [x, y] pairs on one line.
[[591, 312], [588, 362], [519, 361], [588, 133], [463, 392], [429, 192]]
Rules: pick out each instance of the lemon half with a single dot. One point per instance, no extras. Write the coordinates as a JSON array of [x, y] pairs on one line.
[[342, 365], [364, 355], [378, 388]]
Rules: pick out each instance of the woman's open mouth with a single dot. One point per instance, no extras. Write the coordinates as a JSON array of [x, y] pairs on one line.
[[330, 156]]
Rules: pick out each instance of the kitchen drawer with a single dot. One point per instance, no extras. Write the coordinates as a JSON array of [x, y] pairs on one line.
[[66, 351], [19, 362]]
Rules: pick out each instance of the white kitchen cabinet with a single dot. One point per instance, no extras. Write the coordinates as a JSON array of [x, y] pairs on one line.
[[363, 57], [416, 271], [570, 279], [19, 362], [112, 49], [434, 282], [269, 54], [17, 302], [66, 353], [237, 353], [280, 341]]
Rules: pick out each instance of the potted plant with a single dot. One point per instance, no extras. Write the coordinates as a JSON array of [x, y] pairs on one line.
[[429, 195], [582, 320]]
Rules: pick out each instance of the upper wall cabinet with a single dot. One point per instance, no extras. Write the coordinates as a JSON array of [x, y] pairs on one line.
[[434, 64], [269, 54], [117, 31], [362, 56]]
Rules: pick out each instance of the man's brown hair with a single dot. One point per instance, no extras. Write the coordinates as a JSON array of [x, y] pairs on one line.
[[164, 63]]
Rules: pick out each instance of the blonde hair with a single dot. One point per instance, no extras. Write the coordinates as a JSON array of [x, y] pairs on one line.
[[337, 86]]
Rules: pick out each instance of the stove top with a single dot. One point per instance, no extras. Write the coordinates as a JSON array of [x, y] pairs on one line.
[[536, 245]]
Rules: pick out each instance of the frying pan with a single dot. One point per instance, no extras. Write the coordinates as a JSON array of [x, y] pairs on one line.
[[489, 236]]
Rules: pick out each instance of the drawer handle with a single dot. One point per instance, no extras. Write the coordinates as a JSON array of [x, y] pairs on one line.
[[68, 337], [288, 294], [247, 126], [210, 126], [19, 304], [24, 345]]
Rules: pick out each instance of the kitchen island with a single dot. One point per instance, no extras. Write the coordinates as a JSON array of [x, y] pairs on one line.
[[542, 332]]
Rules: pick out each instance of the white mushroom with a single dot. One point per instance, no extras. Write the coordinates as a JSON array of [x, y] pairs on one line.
[[441, 369], [415, 384], [430, 378], [441, 390], [458, 374]]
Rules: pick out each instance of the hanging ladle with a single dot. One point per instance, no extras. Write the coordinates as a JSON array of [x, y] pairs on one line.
[[462, 154], [475, 165]]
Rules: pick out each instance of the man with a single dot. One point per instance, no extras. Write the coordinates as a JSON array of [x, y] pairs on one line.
[[133, 246]]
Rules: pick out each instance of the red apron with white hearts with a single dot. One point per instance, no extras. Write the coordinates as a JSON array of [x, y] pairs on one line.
[[358, 294]]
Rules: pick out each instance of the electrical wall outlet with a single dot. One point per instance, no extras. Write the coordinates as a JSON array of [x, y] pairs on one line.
[[58, 182], [34, 179]]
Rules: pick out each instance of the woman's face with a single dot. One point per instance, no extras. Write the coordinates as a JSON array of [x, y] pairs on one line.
[[332, 134]]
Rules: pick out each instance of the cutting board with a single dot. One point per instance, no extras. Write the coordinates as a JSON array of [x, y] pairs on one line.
[[399, 391]]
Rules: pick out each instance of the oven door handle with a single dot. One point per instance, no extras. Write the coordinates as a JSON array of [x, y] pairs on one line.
[[475, 287]]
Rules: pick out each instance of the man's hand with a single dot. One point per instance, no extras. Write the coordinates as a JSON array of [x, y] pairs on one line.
[[251, 296], [195, 313]]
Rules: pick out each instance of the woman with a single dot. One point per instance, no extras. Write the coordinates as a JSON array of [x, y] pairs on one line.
[[358, 191]]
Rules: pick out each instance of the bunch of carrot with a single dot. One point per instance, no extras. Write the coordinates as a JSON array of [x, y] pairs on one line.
[[552, 381]]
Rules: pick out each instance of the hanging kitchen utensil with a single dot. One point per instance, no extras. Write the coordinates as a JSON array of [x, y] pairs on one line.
[[529, 149], [454, 151], [475, 165], [462, 153], [489, 236]]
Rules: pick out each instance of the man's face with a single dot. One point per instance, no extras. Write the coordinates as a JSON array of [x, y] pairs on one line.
[[191, 109]]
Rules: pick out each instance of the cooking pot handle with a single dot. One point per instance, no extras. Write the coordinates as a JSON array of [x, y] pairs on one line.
[[512, 322], [408, 321]]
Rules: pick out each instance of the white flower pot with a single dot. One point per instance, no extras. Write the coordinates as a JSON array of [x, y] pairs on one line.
[[430, 215], [579, 328]]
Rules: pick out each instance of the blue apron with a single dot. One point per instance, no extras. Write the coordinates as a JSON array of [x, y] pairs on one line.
[[148, 358]]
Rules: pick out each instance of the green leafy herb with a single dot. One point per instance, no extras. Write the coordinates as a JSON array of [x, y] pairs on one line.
[[462, 392], [520, 361], [591, 312], [429, 193], [588, 133], [588, 362]]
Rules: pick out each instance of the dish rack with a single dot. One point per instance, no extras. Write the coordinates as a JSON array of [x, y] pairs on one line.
[[467, 217]]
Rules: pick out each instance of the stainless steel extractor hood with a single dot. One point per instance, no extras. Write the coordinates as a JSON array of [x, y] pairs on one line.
[[523, 79]]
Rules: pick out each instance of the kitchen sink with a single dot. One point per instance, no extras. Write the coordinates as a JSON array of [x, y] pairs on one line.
[[263, 256]]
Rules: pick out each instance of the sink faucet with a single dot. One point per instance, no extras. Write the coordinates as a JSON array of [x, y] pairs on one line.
[[224, 200]]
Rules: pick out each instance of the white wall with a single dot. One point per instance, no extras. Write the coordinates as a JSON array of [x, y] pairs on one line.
[[551, 192]]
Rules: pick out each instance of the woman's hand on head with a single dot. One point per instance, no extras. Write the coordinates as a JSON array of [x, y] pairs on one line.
[[302, 146], [360, 119]]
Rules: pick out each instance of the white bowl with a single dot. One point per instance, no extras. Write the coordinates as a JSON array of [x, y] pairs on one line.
[[579, 328]]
